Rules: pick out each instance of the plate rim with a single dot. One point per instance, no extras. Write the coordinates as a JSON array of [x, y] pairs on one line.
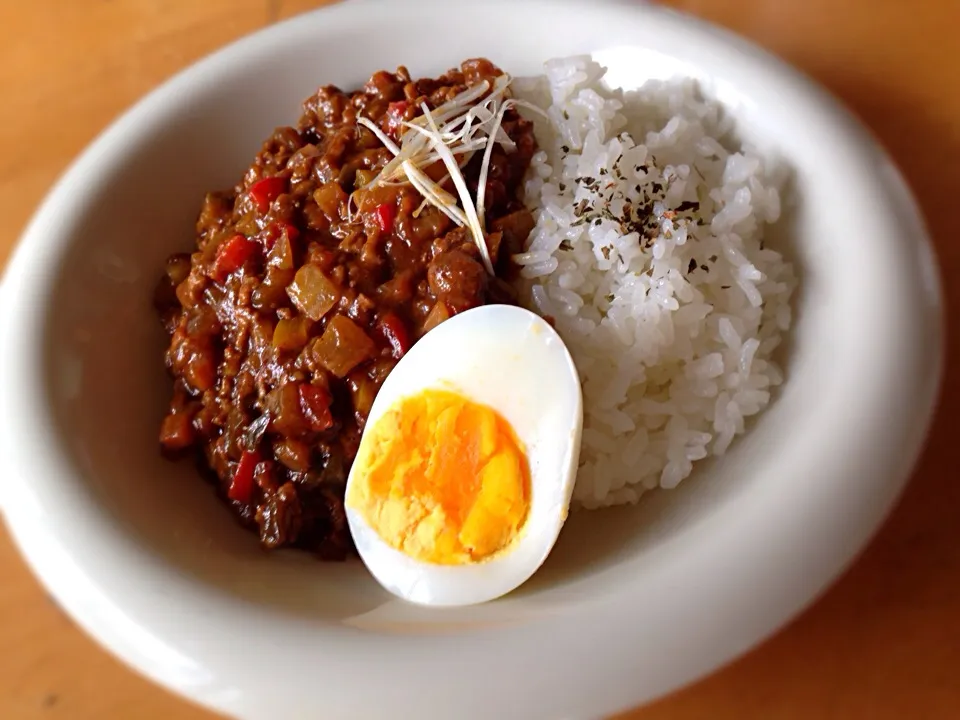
[[34, 541]]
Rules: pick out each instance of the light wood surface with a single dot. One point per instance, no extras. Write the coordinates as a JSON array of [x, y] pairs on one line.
[[883, 643]]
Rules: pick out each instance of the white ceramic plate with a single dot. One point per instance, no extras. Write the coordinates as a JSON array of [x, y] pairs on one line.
[[633, 602]]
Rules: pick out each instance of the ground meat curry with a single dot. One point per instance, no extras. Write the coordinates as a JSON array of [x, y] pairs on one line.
[[302, 293]]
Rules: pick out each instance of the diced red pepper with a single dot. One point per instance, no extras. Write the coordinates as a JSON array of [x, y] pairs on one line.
[[394, 331], [394, 117], [232, 255], [386, 214], [265, 190], [276, 230], [315, 406], [290, 229], [241, 487]]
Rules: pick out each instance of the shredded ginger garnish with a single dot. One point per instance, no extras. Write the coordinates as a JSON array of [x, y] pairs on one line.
[[451, 133]]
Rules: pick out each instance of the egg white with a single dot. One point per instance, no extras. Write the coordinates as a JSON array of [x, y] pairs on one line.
[[512, 360]]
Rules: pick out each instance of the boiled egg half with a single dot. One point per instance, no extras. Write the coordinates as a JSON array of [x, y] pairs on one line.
[[463, 478]]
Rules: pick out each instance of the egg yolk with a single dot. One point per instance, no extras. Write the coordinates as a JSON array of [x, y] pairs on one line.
[[442, 479]]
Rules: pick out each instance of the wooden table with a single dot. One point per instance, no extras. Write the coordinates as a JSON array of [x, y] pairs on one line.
[[883, 643]]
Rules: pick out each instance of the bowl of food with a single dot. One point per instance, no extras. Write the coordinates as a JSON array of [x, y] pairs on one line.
[[444, 367]]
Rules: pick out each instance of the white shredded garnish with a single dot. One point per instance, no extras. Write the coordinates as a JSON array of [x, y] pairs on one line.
[[485, 166], [451, 133], [437, 196], [463, 163], [473, 222], [381, 135]]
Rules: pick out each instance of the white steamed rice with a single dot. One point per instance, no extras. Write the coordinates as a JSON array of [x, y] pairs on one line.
[[672, 322]]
